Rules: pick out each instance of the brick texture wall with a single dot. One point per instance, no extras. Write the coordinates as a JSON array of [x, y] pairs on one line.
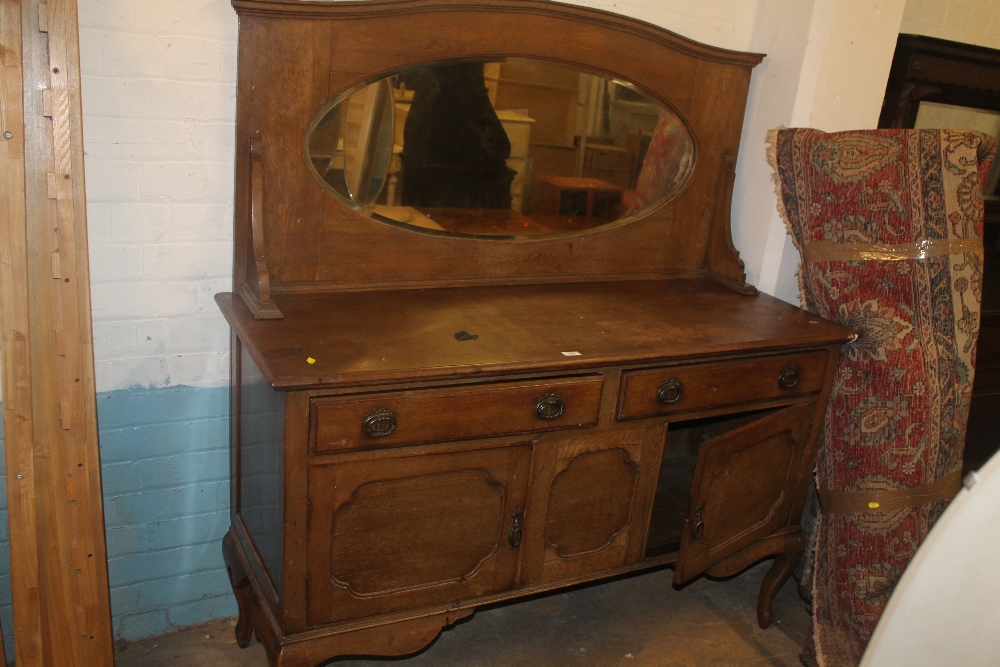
[[165, 461], [159, 106]]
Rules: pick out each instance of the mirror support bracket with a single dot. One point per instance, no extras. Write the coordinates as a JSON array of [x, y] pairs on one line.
[[724, 265], [259, 300]]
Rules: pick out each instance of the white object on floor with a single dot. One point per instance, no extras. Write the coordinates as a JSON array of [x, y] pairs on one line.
[[946, 608]]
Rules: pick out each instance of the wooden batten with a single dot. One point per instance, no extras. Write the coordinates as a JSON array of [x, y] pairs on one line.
[[61, 600]]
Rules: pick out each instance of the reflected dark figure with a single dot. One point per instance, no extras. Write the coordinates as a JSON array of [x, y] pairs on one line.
[[455, 149]]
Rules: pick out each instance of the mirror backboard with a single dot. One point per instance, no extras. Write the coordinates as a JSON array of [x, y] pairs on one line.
[[499, 148], [570, 173]]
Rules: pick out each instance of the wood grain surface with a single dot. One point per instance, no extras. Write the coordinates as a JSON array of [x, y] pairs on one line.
[[295, 57], [62, 610], [381, 336]]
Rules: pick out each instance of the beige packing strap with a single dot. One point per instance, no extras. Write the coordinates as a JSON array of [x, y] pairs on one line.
[[829, 251], [843, 502]]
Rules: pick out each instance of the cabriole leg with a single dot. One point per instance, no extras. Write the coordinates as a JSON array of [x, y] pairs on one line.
[[241, 588], [776, 577]]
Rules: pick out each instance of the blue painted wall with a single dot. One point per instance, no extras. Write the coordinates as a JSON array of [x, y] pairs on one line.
[[165, 467]]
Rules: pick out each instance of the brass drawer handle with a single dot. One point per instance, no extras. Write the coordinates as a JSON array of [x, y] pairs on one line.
[[550, 406], [789, 377], [379, 423], [670, 392], [514, 538]]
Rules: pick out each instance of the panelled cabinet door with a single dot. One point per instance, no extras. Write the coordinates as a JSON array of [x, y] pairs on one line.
[[744, 483], [590, 501], [396, 532]]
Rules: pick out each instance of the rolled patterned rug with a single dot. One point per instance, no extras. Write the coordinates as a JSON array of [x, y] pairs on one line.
[[889, 225]]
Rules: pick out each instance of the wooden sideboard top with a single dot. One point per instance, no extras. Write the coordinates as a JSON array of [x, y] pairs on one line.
[[394, 336]]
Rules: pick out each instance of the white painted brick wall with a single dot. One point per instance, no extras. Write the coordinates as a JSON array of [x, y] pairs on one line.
[[159, 107], [970, 21]]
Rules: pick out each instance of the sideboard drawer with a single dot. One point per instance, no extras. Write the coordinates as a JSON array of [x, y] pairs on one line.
[[362, 421], [704, 386]]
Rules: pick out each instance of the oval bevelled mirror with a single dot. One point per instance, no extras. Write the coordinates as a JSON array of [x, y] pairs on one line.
[[502, 149]]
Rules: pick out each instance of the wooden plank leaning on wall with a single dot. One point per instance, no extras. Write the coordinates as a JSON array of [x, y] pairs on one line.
[[58, 557]]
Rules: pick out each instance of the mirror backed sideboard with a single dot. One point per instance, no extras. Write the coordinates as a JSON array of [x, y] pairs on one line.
[[490, 335]]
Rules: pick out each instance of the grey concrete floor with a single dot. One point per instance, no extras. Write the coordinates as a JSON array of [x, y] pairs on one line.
[[638, 621]]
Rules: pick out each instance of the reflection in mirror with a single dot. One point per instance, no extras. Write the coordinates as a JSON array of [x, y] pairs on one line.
[[368, 141], [350, 145], [936, 115], [503, 149]]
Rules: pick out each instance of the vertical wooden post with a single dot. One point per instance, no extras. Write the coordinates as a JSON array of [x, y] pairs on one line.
[[17, 411], [58, 557]]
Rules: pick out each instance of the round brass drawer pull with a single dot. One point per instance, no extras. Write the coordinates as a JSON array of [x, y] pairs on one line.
[[550, 406], [789, 377], [379, 423], [670, 392]]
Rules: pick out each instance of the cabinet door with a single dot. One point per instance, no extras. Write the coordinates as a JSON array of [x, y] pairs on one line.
[[591, 496], [403, 530], [744, 483]]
